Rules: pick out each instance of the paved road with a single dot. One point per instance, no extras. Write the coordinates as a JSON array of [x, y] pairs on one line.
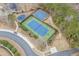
[[28, 51], [66, 52]]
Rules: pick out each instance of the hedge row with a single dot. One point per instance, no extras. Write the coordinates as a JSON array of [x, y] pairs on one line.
[[9, 46]]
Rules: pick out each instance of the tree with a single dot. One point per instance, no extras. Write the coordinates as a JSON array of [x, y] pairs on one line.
[[69, 28]]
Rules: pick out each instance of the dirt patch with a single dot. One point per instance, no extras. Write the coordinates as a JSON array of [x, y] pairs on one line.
[[60, 43], [4, 52]]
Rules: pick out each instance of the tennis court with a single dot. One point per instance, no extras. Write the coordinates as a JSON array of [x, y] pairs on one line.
[[40, 14], [41, 30], [21, 18], [38, 28]]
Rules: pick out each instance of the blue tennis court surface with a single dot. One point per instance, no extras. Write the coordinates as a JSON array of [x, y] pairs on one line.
[[33, 24], [42, 30], [37, 27], [21, 18], [40, 14]]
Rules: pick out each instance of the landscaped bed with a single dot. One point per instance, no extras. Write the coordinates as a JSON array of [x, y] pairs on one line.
[[10, 47]]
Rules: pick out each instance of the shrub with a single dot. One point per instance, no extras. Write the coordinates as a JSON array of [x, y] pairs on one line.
[[13, 50], [4, 42], [9, 46], [17, 54]]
